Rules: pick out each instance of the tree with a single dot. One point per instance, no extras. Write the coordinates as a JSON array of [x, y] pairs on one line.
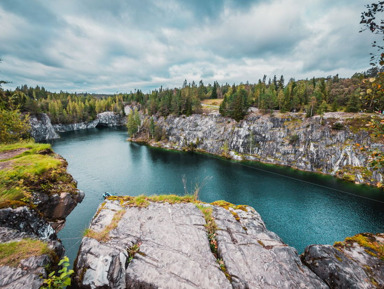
[[13, 126], [133, 122], [373, 23], [214, 90]]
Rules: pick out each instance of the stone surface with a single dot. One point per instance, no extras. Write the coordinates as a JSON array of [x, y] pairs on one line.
[[25, 220], [42, 128], [57, 206], [308, 144], [27, 275], [30, 272], [174, 251], [348, 266], [256, 257]]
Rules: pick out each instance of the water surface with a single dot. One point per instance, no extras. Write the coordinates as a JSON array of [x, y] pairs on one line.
[[301, 208]]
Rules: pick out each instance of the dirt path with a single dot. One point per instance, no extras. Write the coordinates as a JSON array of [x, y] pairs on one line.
[[8, 155]]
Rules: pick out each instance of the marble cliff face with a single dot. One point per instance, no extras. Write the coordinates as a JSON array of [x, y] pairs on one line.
[[336, 144]]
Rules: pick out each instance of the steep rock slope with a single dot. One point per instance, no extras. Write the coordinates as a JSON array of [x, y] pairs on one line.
[[337, 143]]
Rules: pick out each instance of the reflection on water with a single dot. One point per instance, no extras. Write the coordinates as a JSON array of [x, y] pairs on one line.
[[301, 208]]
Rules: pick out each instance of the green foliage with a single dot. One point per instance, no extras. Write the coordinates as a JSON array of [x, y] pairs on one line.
[[11, 253], [133, 122], [338, 126], [13, 126], [62, 278], [235, 105], [293, 139], [29, 168]]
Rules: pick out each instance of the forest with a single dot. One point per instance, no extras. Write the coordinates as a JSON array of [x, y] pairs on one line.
[[362, 92]]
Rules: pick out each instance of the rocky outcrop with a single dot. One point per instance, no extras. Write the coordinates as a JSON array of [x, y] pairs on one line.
[[41, 128], [356, 263], [336, 143], [50, 195], [24, 224], [165, 245], [75, 126], [104, 119], [57, 207]]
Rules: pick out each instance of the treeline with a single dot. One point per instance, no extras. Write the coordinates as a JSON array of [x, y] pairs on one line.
[[363, 92], [62, 107], [312, 96]]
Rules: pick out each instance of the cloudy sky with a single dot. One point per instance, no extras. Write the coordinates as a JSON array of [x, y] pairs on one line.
[[108, 46]]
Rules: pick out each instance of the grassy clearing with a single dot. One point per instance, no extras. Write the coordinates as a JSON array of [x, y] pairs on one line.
[[35, 168], [213, 102], [32, 147], [13, 252]]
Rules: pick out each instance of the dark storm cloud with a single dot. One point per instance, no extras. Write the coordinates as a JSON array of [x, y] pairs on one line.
[[109, 46]]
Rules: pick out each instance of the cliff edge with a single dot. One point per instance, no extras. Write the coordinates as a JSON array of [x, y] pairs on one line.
[[36, 195]]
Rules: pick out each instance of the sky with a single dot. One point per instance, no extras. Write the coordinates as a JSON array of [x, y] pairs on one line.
[[110, 46]]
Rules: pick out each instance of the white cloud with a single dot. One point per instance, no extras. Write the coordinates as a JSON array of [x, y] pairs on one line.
[[92, 46]]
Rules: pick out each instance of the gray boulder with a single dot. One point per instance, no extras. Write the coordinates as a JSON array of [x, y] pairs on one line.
[[349, 264]]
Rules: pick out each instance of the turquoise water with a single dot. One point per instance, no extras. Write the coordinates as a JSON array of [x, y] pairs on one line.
[[301, 208]]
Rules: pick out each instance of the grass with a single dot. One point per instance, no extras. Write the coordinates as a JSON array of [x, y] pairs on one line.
[[213, 102], [103, 236], [32, 147], [211, 227], [35, 168], [143, 201], [13, 252]]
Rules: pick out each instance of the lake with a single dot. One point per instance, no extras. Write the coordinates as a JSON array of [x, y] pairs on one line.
[[302, 208]]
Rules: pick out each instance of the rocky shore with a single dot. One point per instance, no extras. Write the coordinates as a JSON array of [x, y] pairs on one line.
[[28, 225], [176, 242], [337, 144]]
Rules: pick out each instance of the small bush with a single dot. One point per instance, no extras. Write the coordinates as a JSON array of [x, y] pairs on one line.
[[294, 139], [337, 126], [60, 280]]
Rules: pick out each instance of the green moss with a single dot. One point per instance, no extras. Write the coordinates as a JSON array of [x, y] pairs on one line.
[[30, 167], [226, 205], [143, 201], [12, 253], [372, 246]]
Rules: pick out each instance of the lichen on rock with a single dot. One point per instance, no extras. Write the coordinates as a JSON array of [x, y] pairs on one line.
[[172, 249]]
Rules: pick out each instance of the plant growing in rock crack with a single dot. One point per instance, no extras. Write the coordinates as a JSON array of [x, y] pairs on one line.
[[62, 278], [135, 248], [211, 227]]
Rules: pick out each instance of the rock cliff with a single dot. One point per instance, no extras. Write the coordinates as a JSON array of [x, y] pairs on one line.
[[168, 244], [42, 129], [336, 143], [34, 203], [177, 242]]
